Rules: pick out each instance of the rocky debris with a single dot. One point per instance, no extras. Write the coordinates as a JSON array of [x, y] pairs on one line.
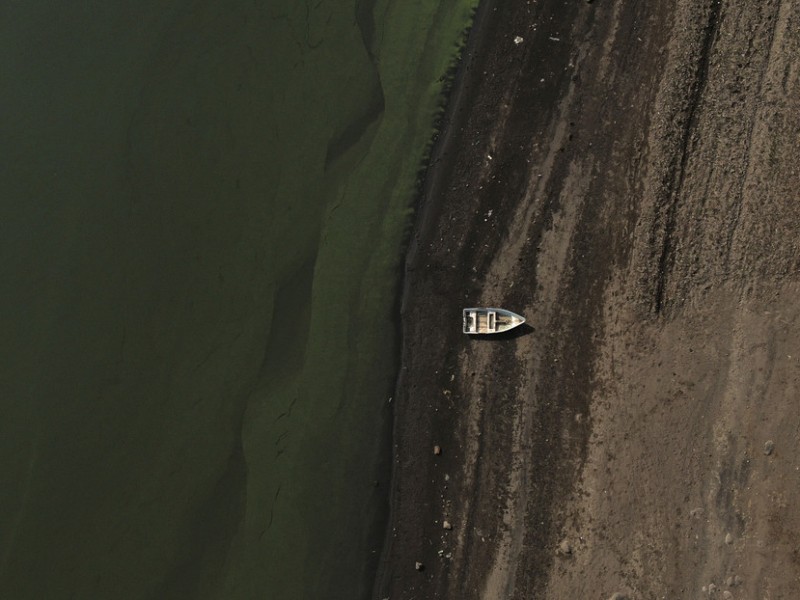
[[419, 566], [728, 539], [564, 548], [769, 447], [437, 450], [446, 525], [518, 40]]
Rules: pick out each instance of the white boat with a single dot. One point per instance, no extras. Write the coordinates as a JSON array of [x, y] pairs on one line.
[[490, 320]]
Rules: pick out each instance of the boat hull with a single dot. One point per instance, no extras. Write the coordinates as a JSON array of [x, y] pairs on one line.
[[488, 321]]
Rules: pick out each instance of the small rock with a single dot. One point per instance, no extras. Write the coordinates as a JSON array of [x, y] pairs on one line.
[[518, 40], [437, 450], [618, 596], [712, 589], [564, 548], [729, 582], [447, 525], [419, 566], [737, 580], [769, 447], [727, 595], [728, 539]]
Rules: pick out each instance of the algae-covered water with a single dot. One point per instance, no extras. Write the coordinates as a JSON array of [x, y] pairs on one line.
[[202, 207]]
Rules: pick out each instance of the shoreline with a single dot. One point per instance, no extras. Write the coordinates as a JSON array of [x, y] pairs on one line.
[[422, 219]]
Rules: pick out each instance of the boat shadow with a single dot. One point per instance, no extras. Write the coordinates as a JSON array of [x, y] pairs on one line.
[[518, 332]]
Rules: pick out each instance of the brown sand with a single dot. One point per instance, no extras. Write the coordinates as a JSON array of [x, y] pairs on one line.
[[628, 178]]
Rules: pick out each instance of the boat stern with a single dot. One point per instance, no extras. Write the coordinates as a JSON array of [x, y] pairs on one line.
[[470, 321]]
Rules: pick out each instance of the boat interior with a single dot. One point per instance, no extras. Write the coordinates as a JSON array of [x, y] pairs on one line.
[[481, 322]]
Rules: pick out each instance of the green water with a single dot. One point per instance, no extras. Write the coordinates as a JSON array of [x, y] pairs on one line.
[[201, 214]]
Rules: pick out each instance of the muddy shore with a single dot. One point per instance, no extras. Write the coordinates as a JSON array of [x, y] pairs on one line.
[[626, 175]]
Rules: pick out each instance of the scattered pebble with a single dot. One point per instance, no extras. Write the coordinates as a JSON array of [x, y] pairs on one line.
[[437, 450], [727, 595], [618, 596], [728, 539], [769, 447], [712, 589], [518, 40], [447, 525], [729, 582], [564, 548], [737, 580], [419, 566]]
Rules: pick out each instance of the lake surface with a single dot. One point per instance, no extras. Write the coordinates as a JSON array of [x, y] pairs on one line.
[[202, 210]]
